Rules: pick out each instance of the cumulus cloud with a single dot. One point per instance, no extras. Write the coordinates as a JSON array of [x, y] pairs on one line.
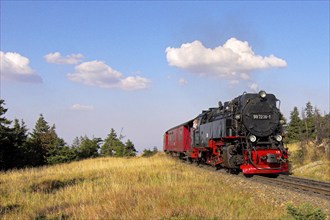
[[79, 107], [234, 61], [97, 73], [57, 58], [16, 67], [134, 83]]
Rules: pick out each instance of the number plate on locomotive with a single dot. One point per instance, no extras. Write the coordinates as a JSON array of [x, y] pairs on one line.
[[261, 117]]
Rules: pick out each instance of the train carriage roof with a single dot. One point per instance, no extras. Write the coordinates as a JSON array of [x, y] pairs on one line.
[[188, 123]]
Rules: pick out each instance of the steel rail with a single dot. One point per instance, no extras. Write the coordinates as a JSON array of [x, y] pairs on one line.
[[304, 185], [305, 180], [313, 187]]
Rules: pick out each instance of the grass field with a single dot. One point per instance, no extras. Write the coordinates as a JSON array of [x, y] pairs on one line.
[[119, 188], [311, 163]]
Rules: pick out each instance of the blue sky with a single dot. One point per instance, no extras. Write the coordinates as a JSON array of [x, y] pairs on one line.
[[143, 67]]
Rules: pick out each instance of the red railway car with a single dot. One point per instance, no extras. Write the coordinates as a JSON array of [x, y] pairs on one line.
[[177, 140]]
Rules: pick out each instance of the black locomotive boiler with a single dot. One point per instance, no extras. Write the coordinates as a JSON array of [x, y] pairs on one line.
[[242, 134]]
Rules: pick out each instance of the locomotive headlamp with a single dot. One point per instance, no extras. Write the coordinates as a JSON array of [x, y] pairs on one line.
[[282, 122], [278, 138], [237, 117], [253, 138], [262, 94]]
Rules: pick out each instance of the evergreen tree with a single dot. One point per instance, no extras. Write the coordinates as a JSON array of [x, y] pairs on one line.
[[112, 145], [37, 143], [130, 150], [309, 121], [20, 132], [44, 143], [309, 110], [63, 154], [55, 146], [322, 126], [294, 128], [88, 147], [76, 142], [19, 139], [6, 133], [12, 141]]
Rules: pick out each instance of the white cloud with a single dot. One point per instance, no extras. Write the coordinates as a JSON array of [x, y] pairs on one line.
[[235, 60], [16, 67], [79, 107], [97, 73], [183, 81], [134, 83], [58, 59]]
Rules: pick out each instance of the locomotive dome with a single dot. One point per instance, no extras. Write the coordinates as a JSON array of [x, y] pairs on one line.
[[260, 115]]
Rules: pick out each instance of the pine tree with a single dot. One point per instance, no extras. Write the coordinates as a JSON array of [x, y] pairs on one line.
[[20, 132], [19, 139], [322, 126], [12, 141], [88, 147], [37, 143], [6, 145], [309, 121], [294, 128], [44, 143], [76, 142], [112, 145], [130, 150]]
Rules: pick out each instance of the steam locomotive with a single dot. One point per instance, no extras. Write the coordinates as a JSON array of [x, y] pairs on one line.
[[244, 134]]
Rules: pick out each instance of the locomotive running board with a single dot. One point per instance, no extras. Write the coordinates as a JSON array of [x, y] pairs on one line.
[[250, 169]]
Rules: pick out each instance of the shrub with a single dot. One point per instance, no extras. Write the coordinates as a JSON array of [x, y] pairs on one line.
[[149, 153], [305, 212]]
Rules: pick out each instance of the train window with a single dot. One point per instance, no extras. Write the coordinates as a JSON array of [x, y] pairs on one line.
[[170, 136], [278, 103], [195, 123]]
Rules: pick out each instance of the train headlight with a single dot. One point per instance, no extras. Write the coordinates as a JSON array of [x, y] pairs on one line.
[[282, 122], [278, 138], [262, 94], [253, 138], [237, 117]]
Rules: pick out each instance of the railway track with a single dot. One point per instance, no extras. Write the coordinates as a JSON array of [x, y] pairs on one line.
[[302, 185], [308, 186]]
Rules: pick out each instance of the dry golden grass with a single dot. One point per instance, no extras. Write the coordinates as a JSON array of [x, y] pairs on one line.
[[118, 188], [293, 147], [318, 170], [311, 163]]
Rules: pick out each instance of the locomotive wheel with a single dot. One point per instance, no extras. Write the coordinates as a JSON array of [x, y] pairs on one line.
[[272, 175], [234, 171], [248, 175]]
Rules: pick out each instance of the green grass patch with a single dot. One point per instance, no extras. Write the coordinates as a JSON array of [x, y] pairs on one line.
[[305, 212]]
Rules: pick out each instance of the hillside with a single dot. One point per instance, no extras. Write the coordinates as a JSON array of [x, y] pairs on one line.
[[137, 188], [310, 160]]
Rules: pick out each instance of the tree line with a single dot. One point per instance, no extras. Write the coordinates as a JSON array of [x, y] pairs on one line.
[[309, 124], [20, 148]]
